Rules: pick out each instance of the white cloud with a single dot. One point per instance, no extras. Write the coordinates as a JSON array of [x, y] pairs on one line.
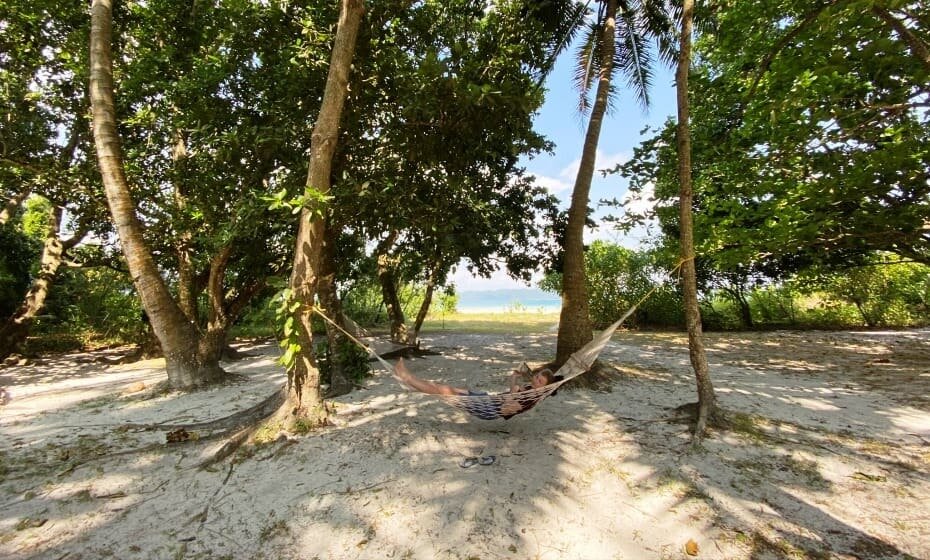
[[499, 280], [637, 203], [554, 186], [601, 161]]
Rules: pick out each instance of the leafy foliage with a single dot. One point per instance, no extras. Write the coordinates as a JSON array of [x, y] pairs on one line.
[[17, 254], [810, 137], [617, 278]]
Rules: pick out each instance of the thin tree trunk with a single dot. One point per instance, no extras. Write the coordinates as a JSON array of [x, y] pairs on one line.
[[427, 301], [339, 383], [178, 337], [15, 330], [187, 276], [304, 401], [574, 319], [745, 310], [213, 341], [395, 310], [707, 399]]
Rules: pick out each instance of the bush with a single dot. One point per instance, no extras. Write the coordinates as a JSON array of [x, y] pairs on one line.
[[94, 305], [353, 359]]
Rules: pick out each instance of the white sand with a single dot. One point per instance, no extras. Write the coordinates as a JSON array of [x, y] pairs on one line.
[[839, 469]]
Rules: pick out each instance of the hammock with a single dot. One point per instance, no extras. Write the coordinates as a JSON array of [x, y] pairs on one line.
[[506, 405]]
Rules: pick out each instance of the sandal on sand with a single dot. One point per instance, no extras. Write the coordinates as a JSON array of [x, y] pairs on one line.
[[469, 462], [487, 460]]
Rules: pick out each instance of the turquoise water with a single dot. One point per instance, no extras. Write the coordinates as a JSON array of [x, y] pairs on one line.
[[529, 300]]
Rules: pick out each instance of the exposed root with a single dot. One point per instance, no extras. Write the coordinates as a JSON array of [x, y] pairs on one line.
[[268, 423], [232, 422], [230, 447], [141, 352], [689, 413]]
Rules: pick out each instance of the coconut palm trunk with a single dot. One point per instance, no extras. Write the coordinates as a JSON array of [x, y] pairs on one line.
[[574, 319], [707, 399], [179, 338]]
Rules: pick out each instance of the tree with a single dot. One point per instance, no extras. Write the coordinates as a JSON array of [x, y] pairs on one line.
[[14, 330], [45, 145], [617, 278], [707, 398], [612, 43], [304, 401], [179, 339], [431, 76], [810, 130]]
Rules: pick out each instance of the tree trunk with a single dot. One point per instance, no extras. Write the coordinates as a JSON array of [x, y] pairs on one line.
[[574, 319], [745, 310], [15, 330], [178, 337], [427, 301], [339, 383], [304, 402], [386, 280], [707, 399], [187, 276], [213, 341], [395, 310]]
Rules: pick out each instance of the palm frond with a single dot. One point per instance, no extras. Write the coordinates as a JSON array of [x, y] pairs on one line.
[[632, 55], [660, 20], [587, 65], [563, 20]]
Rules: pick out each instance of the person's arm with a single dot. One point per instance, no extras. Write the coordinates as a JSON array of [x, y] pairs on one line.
[[516, 382]]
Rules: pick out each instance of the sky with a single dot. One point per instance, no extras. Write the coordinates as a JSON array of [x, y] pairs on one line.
[[560, 122]]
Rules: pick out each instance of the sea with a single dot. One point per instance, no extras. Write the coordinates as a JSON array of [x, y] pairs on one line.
[[526, 300]]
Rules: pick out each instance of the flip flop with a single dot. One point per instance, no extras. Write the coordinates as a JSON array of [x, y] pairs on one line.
[[469, 462], [487, 460]]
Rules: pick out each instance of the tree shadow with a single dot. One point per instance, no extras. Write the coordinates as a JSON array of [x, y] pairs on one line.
[[583, 475]]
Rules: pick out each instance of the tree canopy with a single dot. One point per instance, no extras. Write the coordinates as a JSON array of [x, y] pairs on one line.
[[810, 132]]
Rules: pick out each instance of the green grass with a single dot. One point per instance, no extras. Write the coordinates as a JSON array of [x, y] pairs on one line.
[[515, 322], [503, 322]]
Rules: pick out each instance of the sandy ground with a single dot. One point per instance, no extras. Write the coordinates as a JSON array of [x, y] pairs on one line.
[[829, 460]]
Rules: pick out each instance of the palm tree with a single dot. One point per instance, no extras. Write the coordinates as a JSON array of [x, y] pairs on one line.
[[179, 338], [617, 40]]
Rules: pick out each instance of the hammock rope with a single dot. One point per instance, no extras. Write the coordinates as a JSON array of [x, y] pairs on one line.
[[506, 405]]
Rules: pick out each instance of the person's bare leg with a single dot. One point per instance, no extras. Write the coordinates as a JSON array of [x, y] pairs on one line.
[[414, 382]]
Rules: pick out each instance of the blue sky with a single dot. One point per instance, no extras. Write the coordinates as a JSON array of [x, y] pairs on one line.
[[559, 121]]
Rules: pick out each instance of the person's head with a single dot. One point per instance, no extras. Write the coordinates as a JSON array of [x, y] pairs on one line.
[[542, 378]]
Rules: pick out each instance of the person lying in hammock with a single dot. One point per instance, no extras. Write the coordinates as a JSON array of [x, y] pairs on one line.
[[506, 405]]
